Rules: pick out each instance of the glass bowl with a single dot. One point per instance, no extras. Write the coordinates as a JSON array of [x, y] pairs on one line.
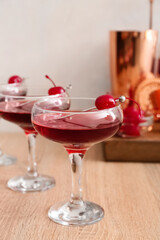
[[132, 129]]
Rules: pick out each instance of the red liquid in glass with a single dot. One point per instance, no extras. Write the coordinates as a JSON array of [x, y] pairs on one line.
[[77, 132], [19, 113]]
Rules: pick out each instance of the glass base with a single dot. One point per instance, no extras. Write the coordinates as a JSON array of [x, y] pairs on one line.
[[6, 160], [31, 184], [77, 215]]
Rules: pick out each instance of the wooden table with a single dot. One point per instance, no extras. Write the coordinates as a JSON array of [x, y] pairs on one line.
[[128, 192]]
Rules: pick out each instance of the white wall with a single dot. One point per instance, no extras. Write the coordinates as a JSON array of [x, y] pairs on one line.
[[66, 39]]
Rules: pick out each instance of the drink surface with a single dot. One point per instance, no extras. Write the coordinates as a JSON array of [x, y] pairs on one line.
[[18, 112], [77, 130]]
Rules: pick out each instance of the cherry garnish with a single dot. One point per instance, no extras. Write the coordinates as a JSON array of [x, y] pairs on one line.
[[132, 115], [15, 79], [108, 101], [56, 89], [104, 102]]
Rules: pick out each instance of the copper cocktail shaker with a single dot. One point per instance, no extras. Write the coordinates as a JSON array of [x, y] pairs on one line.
[[132, 61]]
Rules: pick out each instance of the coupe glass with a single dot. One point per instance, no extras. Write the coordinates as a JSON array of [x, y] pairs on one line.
[[77, 129], [16, 89], [17, 109]]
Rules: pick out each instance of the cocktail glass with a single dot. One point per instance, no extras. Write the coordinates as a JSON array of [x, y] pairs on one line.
[[17, 89], [77, 129], [17, 109]]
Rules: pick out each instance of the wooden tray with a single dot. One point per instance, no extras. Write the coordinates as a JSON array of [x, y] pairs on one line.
[[141, 149]]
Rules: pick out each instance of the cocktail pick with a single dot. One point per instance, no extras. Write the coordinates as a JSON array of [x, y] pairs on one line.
[[69, 86], [123, 99], [120, 99]]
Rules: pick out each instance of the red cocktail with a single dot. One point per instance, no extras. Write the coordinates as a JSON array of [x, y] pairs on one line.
[[14, 89], [17, 109], [76, 129], [72, 131], [18, 112]]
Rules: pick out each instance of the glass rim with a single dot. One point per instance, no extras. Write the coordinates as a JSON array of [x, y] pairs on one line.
[[77, 112], [30, 96], [11, 84]]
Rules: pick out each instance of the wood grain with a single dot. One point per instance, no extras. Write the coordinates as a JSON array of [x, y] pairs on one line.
[[141, 149], [128, 192]]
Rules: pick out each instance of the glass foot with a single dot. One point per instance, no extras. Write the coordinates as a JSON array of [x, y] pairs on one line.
[[77, 215], [31, 184], [6, 160]]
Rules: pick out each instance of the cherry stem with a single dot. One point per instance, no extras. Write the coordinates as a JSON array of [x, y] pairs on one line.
[[130, 99], [50, 80]]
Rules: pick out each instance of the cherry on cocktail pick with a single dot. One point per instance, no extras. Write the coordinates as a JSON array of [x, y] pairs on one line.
[[15, 79], [108, 101], [56, 89], [132, 116], [105, 101]]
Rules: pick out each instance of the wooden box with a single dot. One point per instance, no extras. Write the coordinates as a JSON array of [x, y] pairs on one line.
[[141, 149]]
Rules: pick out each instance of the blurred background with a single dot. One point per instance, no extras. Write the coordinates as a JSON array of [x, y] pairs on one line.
[[68, 40]]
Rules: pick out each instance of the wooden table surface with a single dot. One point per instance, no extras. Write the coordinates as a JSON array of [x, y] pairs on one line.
[[128, 192]]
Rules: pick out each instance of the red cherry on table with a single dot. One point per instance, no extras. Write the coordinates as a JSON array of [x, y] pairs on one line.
[[15, 79], [104, 102]]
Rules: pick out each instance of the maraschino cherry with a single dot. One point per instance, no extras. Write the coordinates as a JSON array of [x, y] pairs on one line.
[[108, 101], [56, 89], [105, 101], [132, 115], [15, 79], [132, 118], [130, 130]]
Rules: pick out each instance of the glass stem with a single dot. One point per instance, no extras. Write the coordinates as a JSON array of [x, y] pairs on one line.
[[32, 165], [76, 160]]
